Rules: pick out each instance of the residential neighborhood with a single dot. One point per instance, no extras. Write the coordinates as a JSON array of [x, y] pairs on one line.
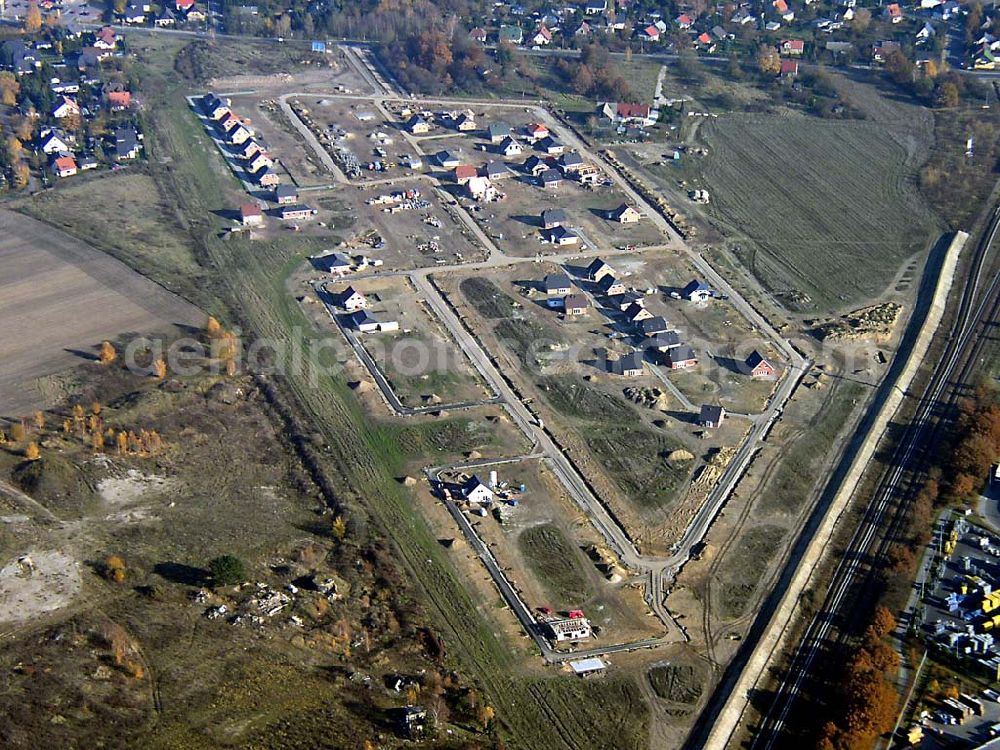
[[599, 375]]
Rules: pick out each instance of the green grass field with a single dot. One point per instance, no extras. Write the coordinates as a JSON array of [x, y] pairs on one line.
[[556, 564], [487, 298], [679, 683], [826, 209], [747, 563], [143, 234], [636, 458], [557, 713]]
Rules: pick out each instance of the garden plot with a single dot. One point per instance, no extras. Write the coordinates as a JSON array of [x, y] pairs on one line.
[[552, 554], [421, 361]]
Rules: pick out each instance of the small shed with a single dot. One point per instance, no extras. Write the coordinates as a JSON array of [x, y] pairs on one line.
[[584, 667]]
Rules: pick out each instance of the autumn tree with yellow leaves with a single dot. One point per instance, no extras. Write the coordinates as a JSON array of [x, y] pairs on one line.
[[213, 328], [485, 716], [108, 353], [339, 528], [33, 19], [31, 452], [9, 89], [114, 568]]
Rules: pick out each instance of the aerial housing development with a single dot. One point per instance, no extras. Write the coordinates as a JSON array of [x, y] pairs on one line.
[[607, 375]]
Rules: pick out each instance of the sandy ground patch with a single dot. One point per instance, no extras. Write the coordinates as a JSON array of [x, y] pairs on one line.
[[50, 581], [131, 487]]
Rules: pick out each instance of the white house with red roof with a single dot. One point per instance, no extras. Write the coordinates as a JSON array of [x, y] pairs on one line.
[[118, 100], [64, 166], [684, 21], [542, 37], [626, 113], [251, 215], [536, 131], [106, 39], [758, 366], [650, 34], [793, 47]]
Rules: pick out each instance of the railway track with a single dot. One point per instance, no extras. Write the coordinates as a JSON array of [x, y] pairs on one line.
[[884, 518]]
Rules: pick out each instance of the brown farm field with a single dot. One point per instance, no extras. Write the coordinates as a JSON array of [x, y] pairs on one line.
[[148, 234], [823, 213], [59, 298]]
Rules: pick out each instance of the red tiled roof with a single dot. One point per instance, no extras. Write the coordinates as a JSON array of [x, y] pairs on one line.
[[120, 98], [625, 109], [65, 162]]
